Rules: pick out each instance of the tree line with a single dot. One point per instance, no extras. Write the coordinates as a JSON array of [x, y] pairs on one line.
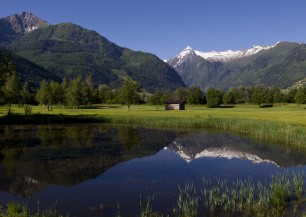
[[81, 92]]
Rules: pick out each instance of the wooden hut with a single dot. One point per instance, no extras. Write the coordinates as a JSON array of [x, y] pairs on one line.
[[175, 105]]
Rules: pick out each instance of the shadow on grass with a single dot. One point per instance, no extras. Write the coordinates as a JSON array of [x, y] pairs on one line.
[[51, 119], [266, 106], [227, 106], [99, 107]]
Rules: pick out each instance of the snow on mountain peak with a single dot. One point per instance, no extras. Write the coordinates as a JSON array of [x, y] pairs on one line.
[[223, 56], [186, 51], [229, 55]]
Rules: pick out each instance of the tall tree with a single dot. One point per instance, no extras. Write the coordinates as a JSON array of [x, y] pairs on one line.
[[214, 98], [300, 96], [195, 95], [7, 67], [259, 95], [56, 94], [229, 98], [104, 93], [156, 98], [64, 88], [43, 94], [88, 91], [74, 93], [129, 92], [181, 93], [11, 91], [25, 95]]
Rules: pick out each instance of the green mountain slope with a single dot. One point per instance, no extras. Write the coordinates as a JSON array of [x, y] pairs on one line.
[[282, 66], [69, 51], [29, 71]]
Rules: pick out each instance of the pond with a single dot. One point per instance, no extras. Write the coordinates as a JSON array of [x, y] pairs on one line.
[[97, 169]]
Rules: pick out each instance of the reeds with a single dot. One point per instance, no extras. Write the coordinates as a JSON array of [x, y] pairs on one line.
[[187, 202], [247, 197], [292, 136], [15, 209], [241, 197]]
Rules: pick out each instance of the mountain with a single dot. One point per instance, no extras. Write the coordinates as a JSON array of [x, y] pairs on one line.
[[19, 24], [29, 71], [281, 64], [69, 50]]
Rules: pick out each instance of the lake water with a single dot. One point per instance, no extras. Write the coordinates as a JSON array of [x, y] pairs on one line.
[[91, 169]]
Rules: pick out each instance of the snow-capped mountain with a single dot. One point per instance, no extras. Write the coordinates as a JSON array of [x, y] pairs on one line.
[[213, 56], [24, 22], [281, 64]]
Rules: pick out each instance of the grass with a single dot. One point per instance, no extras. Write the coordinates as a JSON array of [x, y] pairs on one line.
[[276, 196], [285, 124], [15, 209], [283, 194]]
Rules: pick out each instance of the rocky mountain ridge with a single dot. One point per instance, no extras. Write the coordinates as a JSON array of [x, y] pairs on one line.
[[281, 64]]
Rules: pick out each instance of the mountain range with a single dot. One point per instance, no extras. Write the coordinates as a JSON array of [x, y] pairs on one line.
[[281, 64], [52, 52], [68, 50]]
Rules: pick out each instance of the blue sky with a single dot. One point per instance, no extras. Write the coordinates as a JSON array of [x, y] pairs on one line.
[[165, 27]]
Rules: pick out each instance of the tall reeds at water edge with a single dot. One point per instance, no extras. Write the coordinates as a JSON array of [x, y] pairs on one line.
[[247, 197], [280, 195], [292, 136]]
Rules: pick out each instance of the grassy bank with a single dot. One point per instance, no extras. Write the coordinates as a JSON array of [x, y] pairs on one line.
[[285, 124]]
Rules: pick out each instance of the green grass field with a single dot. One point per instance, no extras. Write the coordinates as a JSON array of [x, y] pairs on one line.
[[290, 114], [285, 124]]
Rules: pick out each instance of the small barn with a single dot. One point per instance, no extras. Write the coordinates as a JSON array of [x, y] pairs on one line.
[[175, 105]]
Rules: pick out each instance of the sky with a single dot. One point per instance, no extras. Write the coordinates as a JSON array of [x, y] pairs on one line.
[[166, 27]]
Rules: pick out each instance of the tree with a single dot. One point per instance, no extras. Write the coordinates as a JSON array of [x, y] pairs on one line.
[[229, 98], [156, 98], [103, 93], [25, 95], [74, 93], [300, 96], [240, 94], [64, 88], [129, 92], [43, 94], [11, 91], [195, 95], [214, 98], [87, 91], [272, 94], [7, 67], [290, 96], [56, 94], [259, 94], [181, 93]]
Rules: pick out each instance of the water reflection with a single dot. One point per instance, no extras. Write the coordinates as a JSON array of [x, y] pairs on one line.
[[34, 157], [225, 145], [112, 165]]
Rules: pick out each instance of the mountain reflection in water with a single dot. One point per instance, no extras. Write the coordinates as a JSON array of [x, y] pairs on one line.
[[204, 144], [112, 165]]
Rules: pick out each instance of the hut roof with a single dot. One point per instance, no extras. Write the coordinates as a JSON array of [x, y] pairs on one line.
[[175, 101]]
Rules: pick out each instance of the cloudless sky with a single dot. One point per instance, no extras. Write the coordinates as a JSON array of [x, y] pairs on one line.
[[165, 27]]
